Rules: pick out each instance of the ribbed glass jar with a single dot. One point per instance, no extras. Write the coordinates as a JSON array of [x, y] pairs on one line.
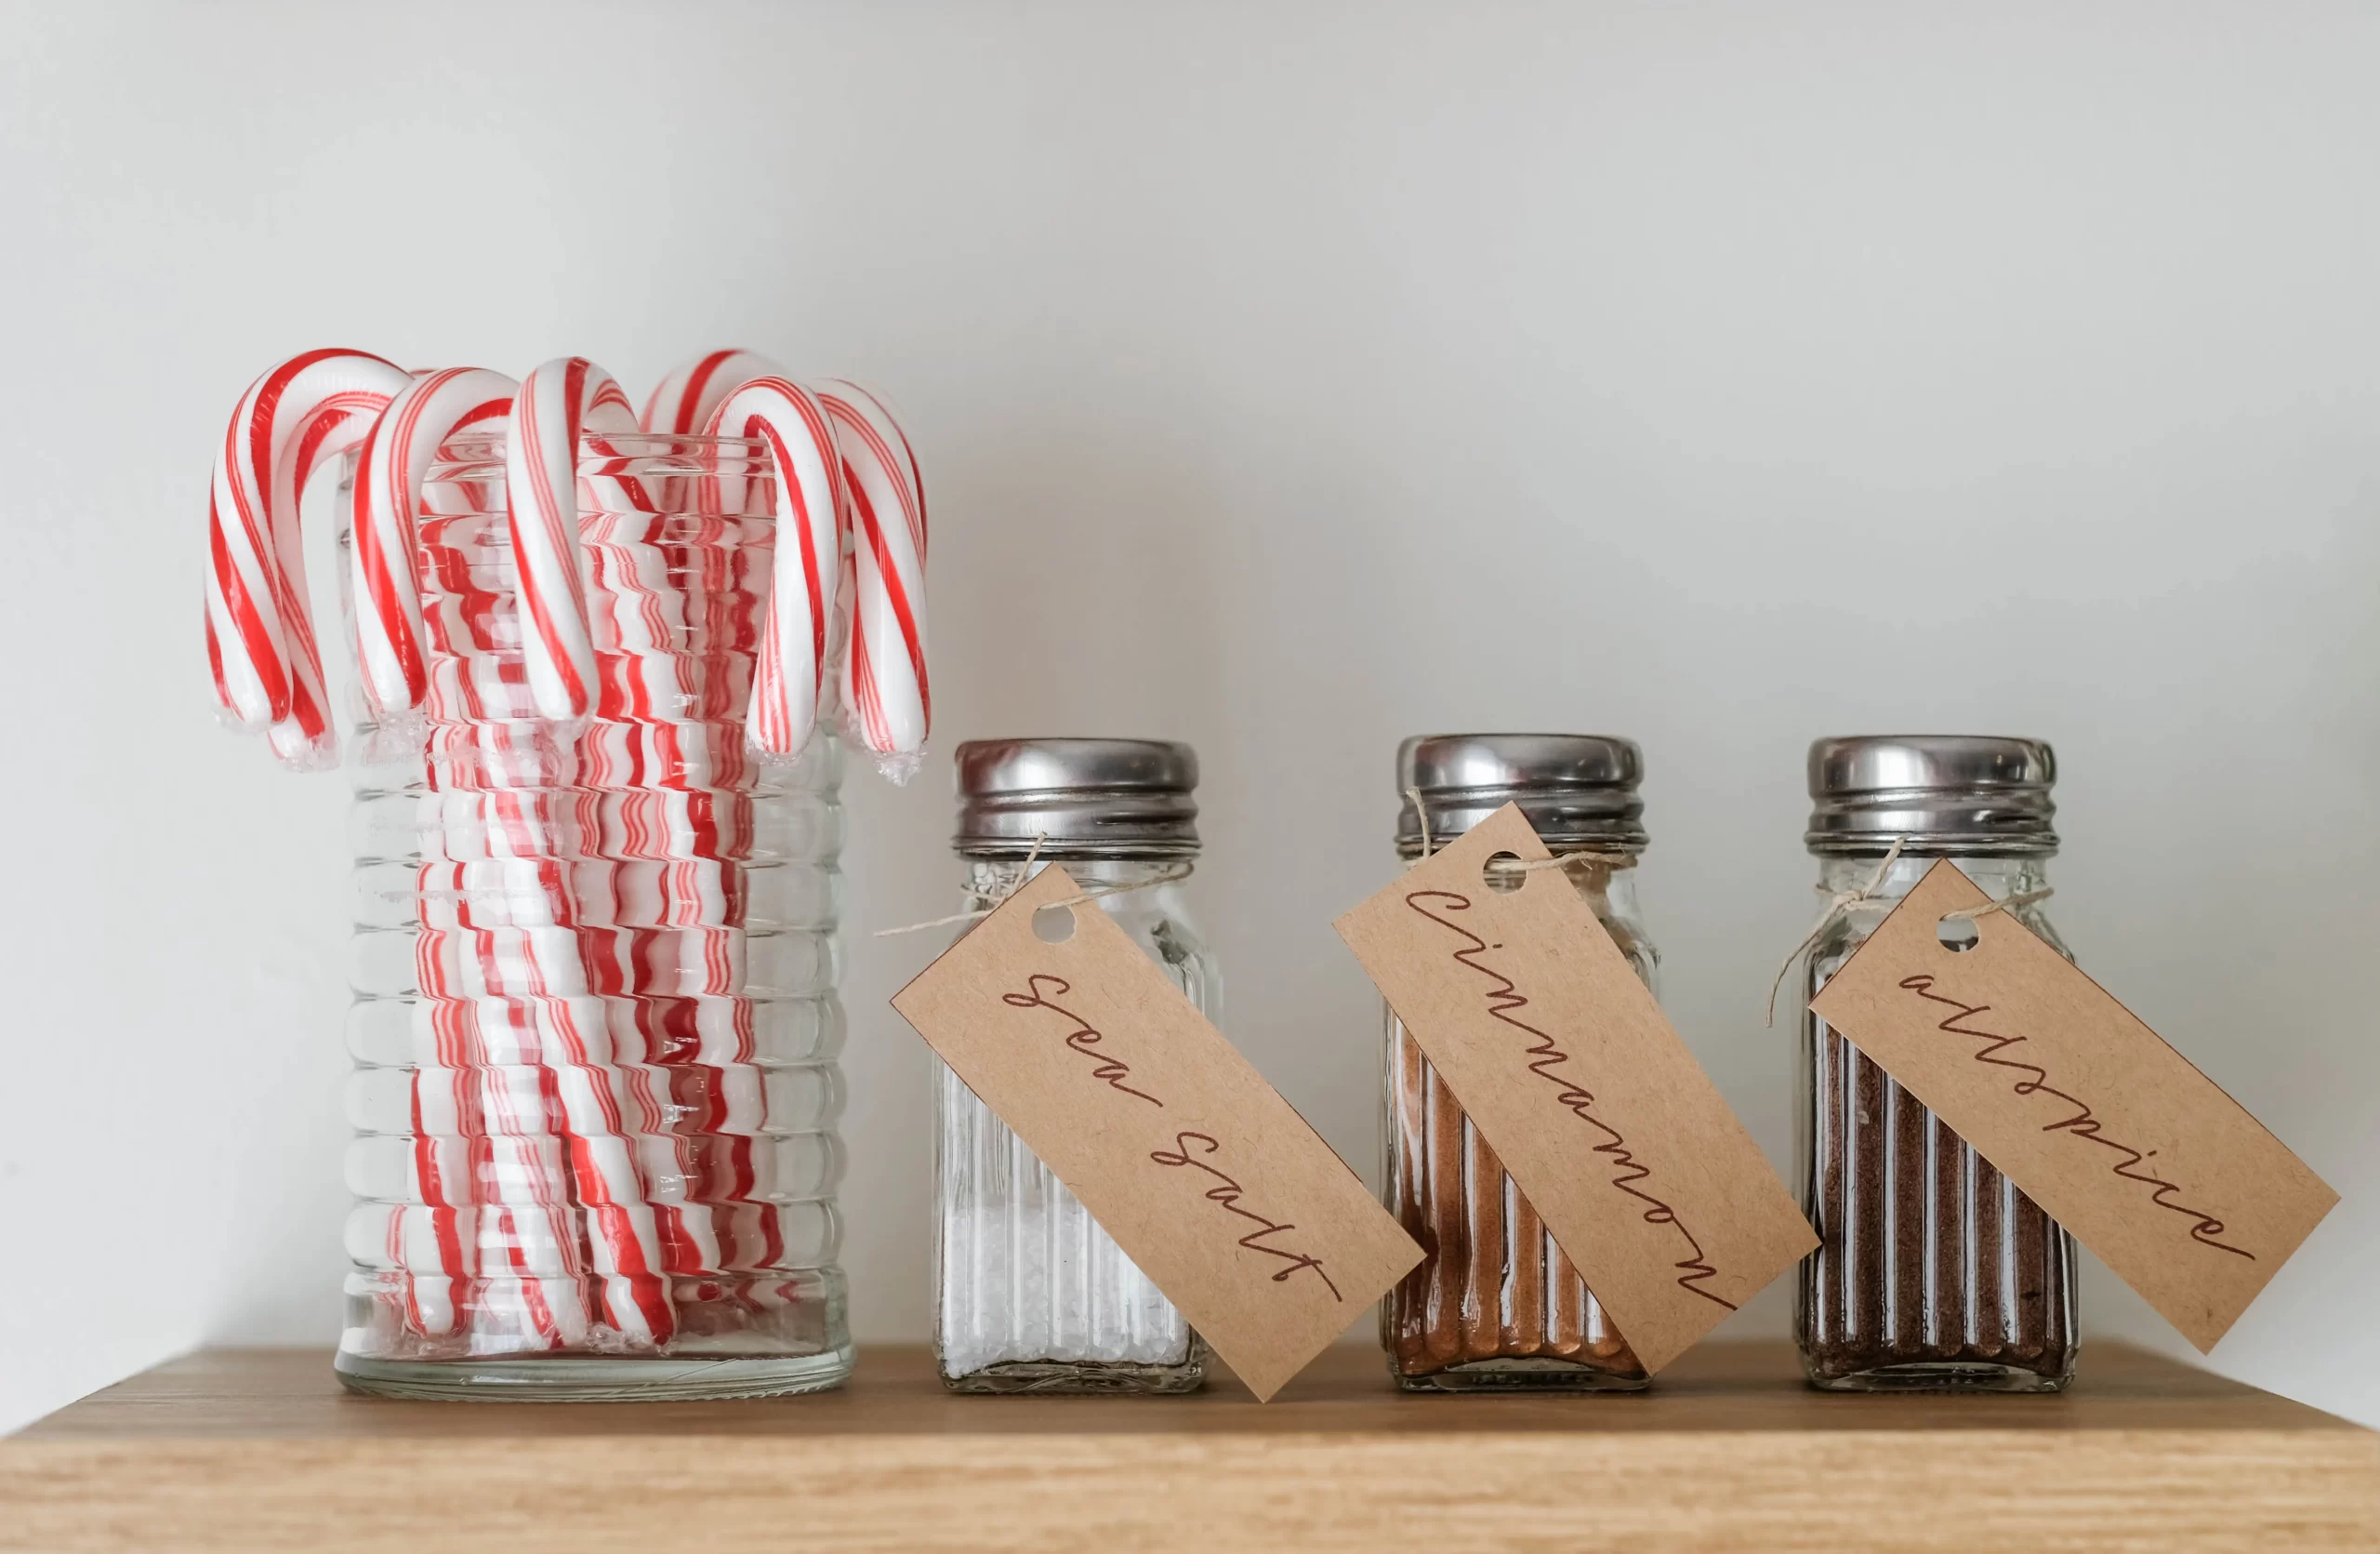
[[1932, 1272], [1031, 1293], [1495, 1304], [596, 1024]]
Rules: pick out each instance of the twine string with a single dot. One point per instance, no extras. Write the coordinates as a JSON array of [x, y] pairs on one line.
[[2005, 904], [1844, 903], [1172, 873], [1510, 865]]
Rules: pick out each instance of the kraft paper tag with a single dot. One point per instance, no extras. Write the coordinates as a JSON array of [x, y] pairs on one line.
[[1564, 1061], [1209, 1180], [2087, 1110]]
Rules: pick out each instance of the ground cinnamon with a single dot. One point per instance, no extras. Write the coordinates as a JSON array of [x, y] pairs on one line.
[[1495, 1303]]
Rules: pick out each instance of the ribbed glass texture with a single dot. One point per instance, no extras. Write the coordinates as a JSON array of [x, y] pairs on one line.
[[1494, 1305], [596, 1027], [1932, 1272], [1031, 1294]]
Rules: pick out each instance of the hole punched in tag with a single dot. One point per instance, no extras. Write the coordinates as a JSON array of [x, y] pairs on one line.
[[1054, 924], [1961, 930], [1958, 935], [1503, 872]]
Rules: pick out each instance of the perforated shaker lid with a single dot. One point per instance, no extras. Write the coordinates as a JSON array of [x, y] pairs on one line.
[[1089, 797], [1578, 789], [1943, 792]]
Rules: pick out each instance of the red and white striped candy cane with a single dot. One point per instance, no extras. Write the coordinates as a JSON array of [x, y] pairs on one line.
[[811, 502], [885, 690], [687, 397], [395, 461], [295, 420], [556, 405]]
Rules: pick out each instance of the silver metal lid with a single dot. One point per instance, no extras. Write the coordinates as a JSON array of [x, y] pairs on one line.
[[1578, 789], [1090, 798], [1944, 793]]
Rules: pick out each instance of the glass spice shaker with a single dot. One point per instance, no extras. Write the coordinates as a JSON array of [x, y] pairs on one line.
[[1932, 1272], [1496, 1305], [1032, 1296]]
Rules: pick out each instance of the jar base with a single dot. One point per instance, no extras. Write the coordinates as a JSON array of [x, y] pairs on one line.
[[1935, 1375], [1522, 1376], [595, 1378], [1081, 1377]]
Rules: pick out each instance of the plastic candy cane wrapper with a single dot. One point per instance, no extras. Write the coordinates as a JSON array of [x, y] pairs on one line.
[[597, 668]]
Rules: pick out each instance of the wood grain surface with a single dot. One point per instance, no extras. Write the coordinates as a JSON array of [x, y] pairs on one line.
[[260, 1450]]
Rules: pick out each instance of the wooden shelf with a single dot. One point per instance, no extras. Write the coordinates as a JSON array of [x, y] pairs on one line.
[[259, 1450]]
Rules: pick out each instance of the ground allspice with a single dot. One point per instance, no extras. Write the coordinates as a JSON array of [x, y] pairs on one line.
[[1931, 1267]]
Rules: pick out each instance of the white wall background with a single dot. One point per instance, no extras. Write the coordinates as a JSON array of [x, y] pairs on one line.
[[1289, 378]]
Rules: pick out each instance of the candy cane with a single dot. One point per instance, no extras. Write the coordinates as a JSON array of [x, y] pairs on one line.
[[555, 406], [520, 993], [884, 670], [689, 397], [811, 502], [293, 421], [395, 461]]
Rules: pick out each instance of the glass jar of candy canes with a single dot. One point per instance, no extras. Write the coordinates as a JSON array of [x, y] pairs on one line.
[[1031, 1294], [1496, 1305], [596, 1024]]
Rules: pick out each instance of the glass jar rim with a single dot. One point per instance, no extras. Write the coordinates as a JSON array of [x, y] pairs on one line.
[[477, 453]]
